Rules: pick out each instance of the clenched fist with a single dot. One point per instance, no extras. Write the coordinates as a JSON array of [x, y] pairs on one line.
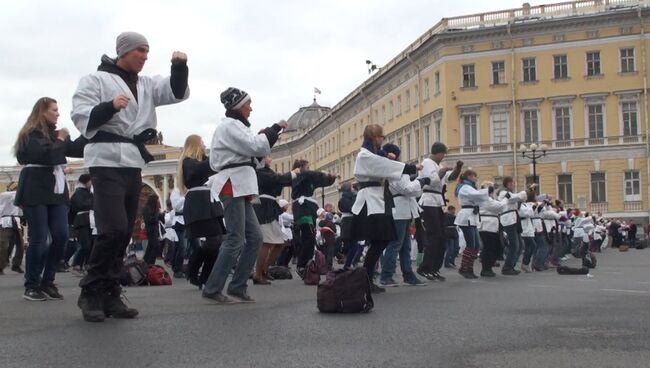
[[63, 134], [120, 102], [179, 57]]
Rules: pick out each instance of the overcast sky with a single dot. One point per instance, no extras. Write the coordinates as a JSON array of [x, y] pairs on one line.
[[277, 51]]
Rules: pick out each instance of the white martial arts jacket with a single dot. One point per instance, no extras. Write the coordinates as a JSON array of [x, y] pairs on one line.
[[468, 196], [135, 118], [404, 192], [490, 211], [370, 167], [526, 214], [8, 211], [235, 143], [509, 214], [430, 170]]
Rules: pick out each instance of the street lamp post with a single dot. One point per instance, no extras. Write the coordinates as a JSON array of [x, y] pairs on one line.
[[532, 152]]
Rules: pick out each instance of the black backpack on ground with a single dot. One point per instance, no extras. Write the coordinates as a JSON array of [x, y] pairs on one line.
[[564, 270], [280, 273], [134, 272], [345, 292]]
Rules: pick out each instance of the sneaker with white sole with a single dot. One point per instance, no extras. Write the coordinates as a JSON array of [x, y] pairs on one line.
[[34, 295], [388, 283]]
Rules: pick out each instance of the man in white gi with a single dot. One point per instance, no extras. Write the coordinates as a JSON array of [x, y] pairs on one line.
[[114, 108]]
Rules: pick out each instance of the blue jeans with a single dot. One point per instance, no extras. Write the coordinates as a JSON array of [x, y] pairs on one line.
[[401, 246], [540, 257], [472, 239], [180, 250], [452, 251], [243, 240], [44, 222], [514, 248], [531, 249]]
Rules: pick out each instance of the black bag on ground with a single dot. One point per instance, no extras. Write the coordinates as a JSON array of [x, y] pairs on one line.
[[589, 260], [565, 270], [134, 272], [280, 273], [345, 292]]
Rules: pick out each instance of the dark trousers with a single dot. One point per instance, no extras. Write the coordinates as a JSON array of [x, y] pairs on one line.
[[180, 249], [85, 239], [435, 246], [10, 239], [17, 260], [202, 260], [490, 251], [117, 191], [372, 256], [307, 244], [154, 249], [42, 257]]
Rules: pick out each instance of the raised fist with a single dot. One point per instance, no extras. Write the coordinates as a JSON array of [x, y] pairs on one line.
[[120, 102], [179, 57]]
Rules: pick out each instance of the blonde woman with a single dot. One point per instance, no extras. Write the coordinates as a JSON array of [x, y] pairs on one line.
[[203, 218]]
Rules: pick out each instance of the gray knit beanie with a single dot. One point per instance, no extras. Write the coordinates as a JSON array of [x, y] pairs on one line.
[[233, 98], [128, 41]]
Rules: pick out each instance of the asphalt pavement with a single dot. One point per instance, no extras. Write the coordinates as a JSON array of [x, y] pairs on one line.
[[532, 320]]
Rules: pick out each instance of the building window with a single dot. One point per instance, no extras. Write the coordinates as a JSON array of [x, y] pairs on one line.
[[630, 119], [408, 146], [562, 123], [598, 188], [593, 63], [436, 84], [427, 137], [500, 127], [399, 105], [565, 188], [470, 126], [391, 110], [531, 127], [498, 72], [469, 78], [437, 126], [426, 89], [417, 143], [632, 186], [530, 74], [596, 123], [407, 100], [383, 114], [417, 96], [627, 60], [561, 67]]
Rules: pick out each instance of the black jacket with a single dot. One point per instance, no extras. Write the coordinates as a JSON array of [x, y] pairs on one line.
[[36, 184], [81, 201], [304, 185], [198, 205], [270, 183]]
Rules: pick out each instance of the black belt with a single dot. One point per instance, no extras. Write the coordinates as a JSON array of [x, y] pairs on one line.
[[474, 208], [484, 215], [397, 195], [368, 184], [441, 193], [239, 164], [178, 213], [138, 140], [431, 191]]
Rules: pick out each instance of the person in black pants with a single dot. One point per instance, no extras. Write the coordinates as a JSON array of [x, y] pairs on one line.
[[81, 204], [152, 217], [304, 209], [372, 210], [43, 195], [203, 217], [115, 108]]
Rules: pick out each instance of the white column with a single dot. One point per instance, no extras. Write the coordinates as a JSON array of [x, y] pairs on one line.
[[165, 189]]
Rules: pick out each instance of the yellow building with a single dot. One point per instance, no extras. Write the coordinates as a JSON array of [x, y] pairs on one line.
[[571, 75]]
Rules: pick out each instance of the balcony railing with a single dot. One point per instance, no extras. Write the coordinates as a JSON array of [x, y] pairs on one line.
[[633, 206], [598, 207]]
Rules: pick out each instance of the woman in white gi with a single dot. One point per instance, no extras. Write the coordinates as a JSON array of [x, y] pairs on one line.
[[549, 217], [511, 224], [526, 218], [470, 199], [233, 153], [404, 192], [489, 229], [373, 218], [115, 108]]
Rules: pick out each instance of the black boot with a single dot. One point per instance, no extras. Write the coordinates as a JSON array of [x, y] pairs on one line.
[[91, 304], [114, 306]]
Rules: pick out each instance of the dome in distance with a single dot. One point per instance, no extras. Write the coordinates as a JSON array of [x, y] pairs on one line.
[[306, 117]]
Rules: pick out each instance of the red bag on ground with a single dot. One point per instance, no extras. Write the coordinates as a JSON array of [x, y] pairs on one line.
[[157, 275]]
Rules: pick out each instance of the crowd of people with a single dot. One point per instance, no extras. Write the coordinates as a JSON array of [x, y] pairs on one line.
[[226, 221]]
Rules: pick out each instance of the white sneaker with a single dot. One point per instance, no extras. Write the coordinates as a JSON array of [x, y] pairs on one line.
[[526, 269]]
